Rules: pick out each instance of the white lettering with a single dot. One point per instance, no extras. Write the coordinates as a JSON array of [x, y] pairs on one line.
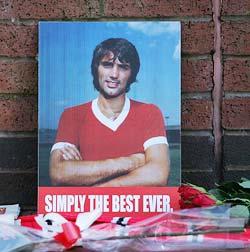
[[64, 203], [100, 202], [48, 203], [156, 203], [60, 205], [125, 203]]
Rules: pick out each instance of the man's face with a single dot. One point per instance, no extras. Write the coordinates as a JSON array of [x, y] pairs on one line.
[[113, 76]]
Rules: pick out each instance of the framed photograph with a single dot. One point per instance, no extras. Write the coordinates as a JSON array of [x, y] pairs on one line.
[[109, 117]]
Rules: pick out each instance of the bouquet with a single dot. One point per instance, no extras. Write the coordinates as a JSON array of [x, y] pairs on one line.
[[235, 193]]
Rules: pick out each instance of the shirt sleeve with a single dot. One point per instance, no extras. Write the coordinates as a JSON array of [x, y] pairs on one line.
[[67, 128], [155, 128]]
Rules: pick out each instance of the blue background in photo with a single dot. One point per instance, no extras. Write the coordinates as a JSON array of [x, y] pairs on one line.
[[65, 54]]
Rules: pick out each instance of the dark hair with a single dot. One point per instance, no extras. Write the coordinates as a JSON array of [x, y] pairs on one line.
[[122, 49]]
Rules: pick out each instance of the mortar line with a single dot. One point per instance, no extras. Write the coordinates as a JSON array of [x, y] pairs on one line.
[[18, 134], [217, 90], [34, 22], [17, 59]]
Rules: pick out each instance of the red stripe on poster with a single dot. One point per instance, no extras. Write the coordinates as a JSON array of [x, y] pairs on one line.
[[113, 201]]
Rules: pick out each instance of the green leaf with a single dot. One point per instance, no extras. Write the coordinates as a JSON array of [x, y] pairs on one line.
[[243, 195], [244, 179], [245, 184], [219, 194], [230, 187], [239, 211], [233, 189], [238, 201]]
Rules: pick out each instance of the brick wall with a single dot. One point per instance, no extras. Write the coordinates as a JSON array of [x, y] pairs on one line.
[[215, 84], [235, 48]]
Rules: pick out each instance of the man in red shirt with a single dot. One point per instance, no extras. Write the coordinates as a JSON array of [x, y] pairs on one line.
[[112, 140]]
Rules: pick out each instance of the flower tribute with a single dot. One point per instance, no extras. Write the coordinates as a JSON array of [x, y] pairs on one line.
[[235, 193]]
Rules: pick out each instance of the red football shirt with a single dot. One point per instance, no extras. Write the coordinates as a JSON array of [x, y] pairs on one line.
[[139, 126]]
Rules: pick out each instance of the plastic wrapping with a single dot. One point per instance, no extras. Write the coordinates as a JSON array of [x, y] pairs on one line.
[[17, 238], [200, 228], [9, 214]]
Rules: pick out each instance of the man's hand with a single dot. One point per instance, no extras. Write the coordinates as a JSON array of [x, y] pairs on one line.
[[154, 172], [138, 159], [70, 153], [68, 168]]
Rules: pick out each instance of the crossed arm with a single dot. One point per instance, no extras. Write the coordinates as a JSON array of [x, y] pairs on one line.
[[148, 169]]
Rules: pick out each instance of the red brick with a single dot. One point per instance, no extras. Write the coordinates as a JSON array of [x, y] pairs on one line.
[[237, 75], [236, 113], [235, 7], [196, 114], [44, 9], [18, 77], [156, 8], [197, 75], [236, 37], [18, 40], [18, 114], [197, 38]]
